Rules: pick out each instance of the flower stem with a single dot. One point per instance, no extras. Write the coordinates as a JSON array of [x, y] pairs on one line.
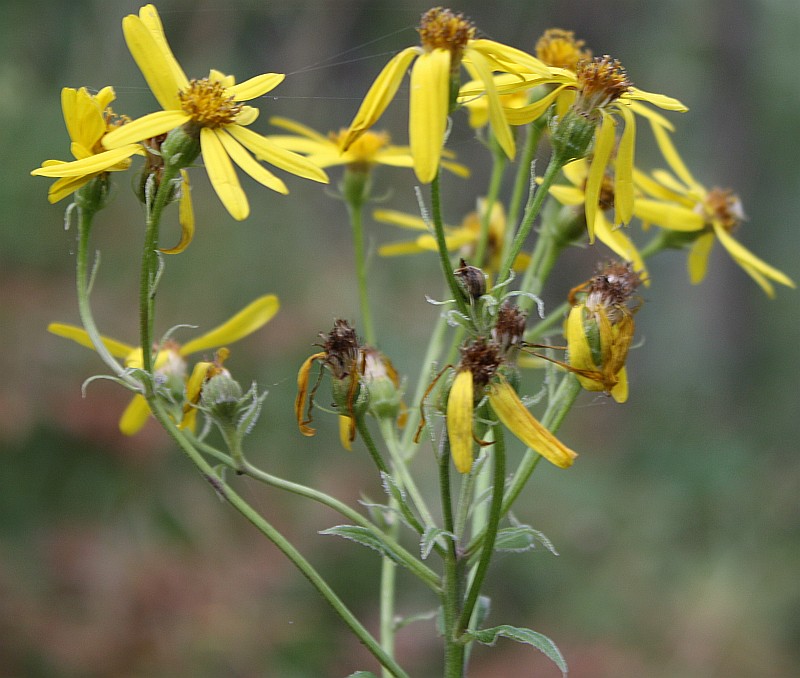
[[495, 183], [356, 211], [444, 255]]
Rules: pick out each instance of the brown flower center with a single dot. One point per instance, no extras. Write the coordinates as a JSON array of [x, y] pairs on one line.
[[342, 350], [724, 207], [440, 28], [601, 81], [560, 49], [481, 358], [209, 104], [611, 289]]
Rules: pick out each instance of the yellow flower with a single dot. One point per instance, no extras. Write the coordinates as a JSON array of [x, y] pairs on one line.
[[477, 375], [369, 149], [447, 42], [464, 237], [599, 330], [559, 48], [170, 362], [211, 109], [576, 173], [602, 91], [88, 119], [680, 203]]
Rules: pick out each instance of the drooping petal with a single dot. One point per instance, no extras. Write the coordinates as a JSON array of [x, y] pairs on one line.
[[66, 186], [623, 169], [697, 261], [619, 243], [245, 322], [135, 416], [427, 122], [242, 158], [513, 414], [185, 216], [750, 261], [267, 151], [380, 94], [149, 49], [255, 87], [620, 390], [146, 127], [302, 393], [81, 336], [94, 164], [668, 215], [222, 175], [478, 68], [459, 421], [525, 114], [604, 144], [674, 160], [568, 195], [580, 353], [347, 431]]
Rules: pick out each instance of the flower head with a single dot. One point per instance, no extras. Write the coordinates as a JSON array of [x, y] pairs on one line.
[[209, 111], [560, 49], [599, 329], [447, 42], [369, 149], [170, 361], [678, 202], [89, 119], [479, 374]]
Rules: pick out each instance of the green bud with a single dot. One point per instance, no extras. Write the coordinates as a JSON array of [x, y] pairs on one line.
[[221, 398], [93, 195], [572, 136], [356, 184], [350, 402], [181, 147]]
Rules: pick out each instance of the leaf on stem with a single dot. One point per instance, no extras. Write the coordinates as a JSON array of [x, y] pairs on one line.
[[521, 635]]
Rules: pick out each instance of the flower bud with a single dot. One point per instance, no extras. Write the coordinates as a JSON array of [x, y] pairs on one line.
[[221, 396], [472, 280], [572, 135], [181, 147]]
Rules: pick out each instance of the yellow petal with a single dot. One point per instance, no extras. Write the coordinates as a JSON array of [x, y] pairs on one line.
[[255, 87], [194, 387], [399, 248], [185, 216], [242, 158], [512, 59], [517, 418], [667, 215], [427, 122], [66, 186], [580, 353], [380, 94], [674, 160], [459, 421], [275, 155], [623, 169], [222, 175], [619, 243], [497, 119], [298, 128], [525, 114], [620, 391], [146, 127], [750, 261], [83, 116], [94, 164], [347, 429], [698, 257], [245, 322], [660, 100], [135, 416], [80, 336], [154, 58], [604, 144], [302, 392], [568, 195], [401, 219]]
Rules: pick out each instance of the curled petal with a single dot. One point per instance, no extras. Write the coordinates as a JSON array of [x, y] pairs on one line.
[[347, 431], [185, 217], [302, 393], [517, 418], [135, 416]]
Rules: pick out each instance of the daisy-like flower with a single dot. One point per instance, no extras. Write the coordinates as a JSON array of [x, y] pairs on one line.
[[447, 42], [209, 109], [602, 92], [560, 49], [678, 202], [369, 149], [577, 173], [89, 119], [170, 362], [464, 237], [478, 375], [599, 329]]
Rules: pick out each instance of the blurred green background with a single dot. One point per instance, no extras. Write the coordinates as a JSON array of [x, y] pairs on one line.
[[678, 528]]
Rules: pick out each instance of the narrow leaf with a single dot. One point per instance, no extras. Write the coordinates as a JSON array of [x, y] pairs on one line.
[[521, 635]]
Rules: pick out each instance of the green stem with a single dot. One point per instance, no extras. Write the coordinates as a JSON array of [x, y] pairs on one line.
[[451, 593], [85, 218], [308, 571], [490, 533], [495, 183], [444, 255], [522, 182], [356, 213], [387, 592], [366, 436], [531, 212]]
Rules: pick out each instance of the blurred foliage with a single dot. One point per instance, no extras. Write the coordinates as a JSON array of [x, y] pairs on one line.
[[678, 528]]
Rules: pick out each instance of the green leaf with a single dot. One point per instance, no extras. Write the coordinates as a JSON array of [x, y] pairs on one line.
[[521, 538], [429, 537], [363, 536], [521, 635]]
